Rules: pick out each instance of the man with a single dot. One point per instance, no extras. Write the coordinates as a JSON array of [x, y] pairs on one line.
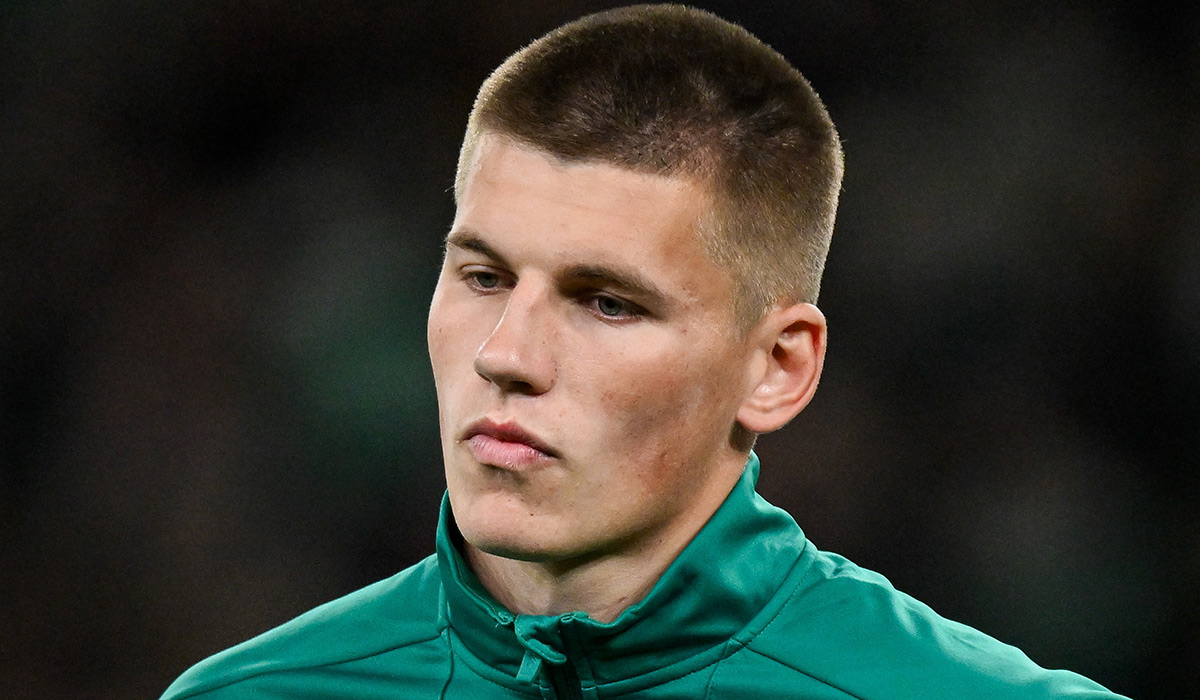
[[645, 198]]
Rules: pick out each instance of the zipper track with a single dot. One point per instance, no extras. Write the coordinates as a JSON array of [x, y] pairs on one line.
[[565, 681]]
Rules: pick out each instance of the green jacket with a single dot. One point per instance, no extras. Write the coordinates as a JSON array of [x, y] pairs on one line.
[[749, 610]]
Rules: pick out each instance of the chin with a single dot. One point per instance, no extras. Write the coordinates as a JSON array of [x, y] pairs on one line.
[[504, 524], [506, 534], [511, 545], [515, 551]]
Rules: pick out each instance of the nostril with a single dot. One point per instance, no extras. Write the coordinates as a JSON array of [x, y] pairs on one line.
[[513, 357], [508, 377]]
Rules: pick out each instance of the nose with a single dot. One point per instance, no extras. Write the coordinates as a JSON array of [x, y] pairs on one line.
[[517, 356]]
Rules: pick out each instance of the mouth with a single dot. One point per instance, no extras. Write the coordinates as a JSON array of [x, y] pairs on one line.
[[506, 445]]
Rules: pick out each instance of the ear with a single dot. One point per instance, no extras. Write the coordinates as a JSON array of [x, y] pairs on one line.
[[791, 347]]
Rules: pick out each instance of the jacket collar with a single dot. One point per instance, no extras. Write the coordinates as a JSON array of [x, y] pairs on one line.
[[721, 580]]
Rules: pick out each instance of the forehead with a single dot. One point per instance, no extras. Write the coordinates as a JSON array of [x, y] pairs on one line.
[[520, 192], [505, 166]]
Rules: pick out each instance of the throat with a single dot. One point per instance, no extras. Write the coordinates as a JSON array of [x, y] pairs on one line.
[[603, 588]]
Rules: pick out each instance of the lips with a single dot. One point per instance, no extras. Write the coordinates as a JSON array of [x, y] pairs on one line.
[[506, 445]]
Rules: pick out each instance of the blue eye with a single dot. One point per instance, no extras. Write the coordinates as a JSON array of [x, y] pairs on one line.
[[613, 307], [481, 279]]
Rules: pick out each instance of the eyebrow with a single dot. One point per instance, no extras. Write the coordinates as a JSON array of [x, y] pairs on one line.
[[627, 281], [469, 240]]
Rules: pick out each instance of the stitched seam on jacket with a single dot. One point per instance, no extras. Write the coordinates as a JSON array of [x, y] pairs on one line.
[[270, 671], [445, 637], [712, 675], [802, 672], [791, 596]]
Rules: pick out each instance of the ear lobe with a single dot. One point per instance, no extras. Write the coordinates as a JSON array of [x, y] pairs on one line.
[[793, 344]]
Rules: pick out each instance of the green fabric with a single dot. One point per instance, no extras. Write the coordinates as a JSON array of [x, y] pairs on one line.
[[749, 610]]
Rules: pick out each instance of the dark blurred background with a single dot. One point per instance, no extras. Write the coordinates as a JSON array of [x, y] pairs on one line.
[[220, 228]]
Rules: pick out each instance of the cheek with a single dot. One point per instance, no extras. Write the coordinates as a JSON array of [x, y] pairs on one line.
[[642, 394], [679, 389], [653, 413], [449, 339], [435, 330], [451, 359]]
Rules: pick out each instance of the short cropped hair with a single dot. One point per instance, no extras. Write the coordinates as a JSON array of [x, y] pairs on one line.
[[671, 90]]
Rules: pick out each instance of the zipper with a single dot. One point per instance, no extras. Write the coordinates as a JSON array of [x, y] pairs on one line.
[[565, 681]]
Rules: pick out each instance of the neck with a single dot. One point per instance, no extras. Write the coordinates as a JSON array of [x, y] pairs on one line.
[[602, 586]]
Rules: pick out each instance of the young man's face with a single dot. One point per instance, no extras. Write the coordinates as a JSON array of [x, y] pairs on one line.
[[587, 364]]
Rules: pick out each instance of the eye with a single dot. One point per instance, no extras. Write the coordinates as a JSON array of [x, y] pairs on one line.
[[482, 279], [612, 307]]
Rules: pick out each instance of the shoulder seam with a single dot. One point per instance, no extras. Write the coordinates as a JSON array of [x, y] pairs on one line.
[[748, 645], [267, 672], [801, 671]]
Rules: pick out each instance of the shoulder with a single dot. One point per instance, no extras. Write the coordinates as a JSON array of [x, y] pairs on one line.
[[398, 612], [849, 628]]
